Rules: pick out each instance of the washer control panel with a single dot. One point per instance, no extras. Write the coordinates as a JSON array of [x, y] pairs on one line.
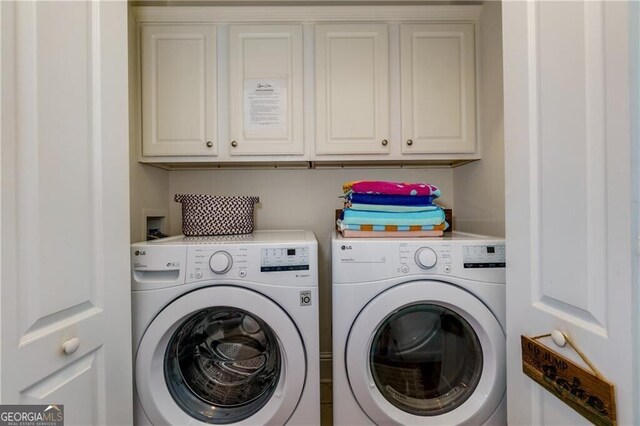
[[206, 262], [275, 264], [284, 259], [484, 256]]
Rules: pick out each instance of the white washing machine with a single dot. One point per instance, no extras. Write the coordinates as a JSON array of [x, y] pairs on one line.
[[419, 331], [226, 330]]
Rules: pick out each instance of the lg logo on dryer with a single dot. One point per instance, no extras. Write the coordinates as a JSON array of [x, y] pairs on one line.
[[346, 247]]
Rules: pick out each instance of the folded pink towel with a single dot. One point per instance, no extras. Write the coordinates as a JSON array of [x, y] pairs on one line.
[[391, 188]]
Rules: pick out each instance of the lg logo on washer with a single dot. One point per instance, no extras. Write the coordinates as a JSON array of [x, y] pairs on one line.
[[346, 247]]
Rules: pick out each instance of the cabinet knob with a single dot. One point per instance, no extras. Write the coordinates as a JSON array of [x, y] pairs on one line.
[[385, 142], [409, 142], [209, 144], [71, 345], [234, 144]]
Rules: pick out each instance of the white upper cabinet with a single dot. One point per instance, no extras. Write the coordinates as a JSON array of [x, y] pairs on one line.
[[438, 88], [352, 88], [178, 77], [306, 85], [266, 90]]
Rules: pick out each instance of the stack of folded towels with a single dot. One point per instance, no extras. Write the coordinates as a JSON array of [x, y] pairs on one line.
[[391, 209]]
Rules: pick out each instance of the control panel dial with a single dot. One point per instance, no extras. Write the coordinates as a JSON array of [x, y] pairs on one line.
[[426, 258], [220, 262]]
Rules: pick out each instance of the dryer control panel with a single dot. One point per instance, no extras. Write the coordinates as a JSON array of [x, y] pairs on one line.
[[360, 260], [484, 256]]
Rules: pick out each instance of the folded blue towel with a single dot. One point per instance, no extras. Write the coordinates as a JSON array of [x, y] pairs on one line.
[[389, 208], [392, 200], [363, 217]]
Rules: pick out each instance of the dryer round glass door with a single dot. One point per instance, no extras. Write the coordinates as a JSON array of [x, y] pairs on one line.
[[426, 359], [240, 361], [428, 353]]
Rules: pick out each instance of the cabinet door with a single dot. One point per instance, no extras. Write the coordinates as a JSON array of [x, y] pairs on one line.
[[178, 90], [438, 88], [352, 89], [266, 97]]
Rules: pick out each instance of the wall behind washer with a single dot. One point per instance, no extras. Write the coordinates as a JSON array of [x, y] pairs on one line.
[[298, 199]]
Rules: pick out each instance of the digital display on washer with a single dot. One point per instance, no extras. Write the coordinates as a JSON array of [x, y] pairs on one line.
[[284, 259], [484, 256]]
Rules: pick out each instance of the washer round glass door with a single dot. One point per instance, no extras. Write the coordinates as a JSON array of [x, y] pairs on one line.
[[223, 364], [434, 354]]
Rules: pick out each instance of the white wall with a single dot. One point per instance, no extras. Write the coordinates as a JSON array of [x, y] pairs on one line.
[[298, 199], [149, 186], [479, 186]]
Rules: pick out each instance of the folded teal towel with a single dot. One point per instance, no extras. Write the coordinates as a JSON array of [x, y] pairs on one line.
[[363, 217]]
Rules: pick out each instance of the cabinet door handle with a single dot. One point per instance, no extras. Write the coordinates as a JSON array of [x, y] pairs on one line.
[[234, 144], [385, 142], [209, 144], [409, 142], [71, 345]]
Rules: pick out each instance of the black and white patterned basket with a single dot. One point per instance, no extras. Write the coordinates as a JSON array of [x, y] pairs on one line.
[[216, 215]]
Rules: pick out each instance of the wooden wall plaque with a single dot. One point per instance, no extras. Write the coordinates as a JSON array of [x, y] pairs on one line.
[[580, 389]]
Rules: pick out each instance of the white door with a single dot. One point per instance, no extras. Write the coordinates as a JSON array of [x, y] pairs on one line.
[[352, 88], [571, 226], [65, 285], [265, 80], [178, 78]]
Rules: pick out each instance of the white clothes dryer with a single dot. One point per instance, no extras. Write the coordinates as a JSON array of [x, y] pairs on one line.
[[226, 330], [419, 331]]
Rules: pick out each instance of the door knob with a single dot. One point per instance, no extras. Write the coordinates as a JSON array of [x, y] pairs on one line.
[[234, 144], [409, 142], [71, 345], [385, 142], [209, 144]]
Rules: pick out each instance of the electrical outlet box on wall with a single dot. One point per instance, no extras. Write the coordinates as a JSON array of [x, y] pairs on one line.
[[154, 223]]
